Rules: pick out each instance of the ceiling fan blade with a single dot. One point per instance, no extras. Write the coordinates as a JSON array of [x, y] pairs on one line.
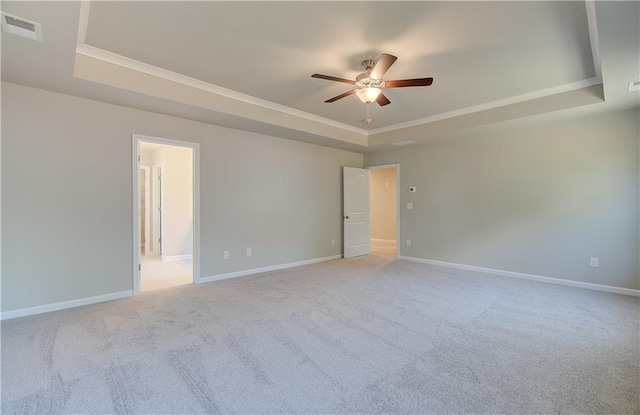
[[400, 83], [382, 100], [346, 94], [333, 78], [382, 66]]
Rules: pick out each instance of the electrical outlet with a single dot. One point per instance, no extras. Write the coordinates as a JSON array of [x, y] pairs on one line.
[[593, 262], [333, 242], [408, 242], [225, 254], [248, 251]]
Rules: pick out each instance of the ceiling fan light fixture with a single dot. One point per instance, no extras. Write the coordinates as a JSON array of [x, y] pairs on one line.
[[368, 95]]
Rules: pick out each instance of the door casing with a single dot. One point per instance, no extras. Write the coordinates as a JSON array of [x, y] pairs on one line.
[[135, 160], [156, 206], [147, 209]]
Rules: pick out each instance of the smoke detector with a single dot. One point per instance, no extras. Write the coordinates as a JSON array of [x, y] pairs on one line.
[[21, 27]]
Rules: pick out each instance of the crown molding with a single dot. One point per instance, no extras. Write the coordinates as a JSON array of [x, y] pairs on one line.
[[91, 51], [83, 23], [114, 58], [594, 38], [491, 105]]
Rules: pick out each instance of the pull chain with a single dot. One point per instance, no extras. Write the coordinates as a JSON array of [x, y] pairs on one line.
[[367, 120]]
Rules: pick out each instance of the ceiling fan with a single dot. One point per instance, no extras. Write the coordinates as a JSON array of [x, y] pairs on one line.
[[369, 84]]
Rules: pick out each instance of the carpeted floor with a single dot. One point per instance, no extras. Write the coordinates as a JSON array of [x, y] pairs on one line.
[[363, 335]]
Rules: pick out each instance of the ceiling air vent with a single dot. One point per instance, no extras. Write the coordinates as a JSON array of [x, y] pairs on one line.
[[634, 86], [21, 27]]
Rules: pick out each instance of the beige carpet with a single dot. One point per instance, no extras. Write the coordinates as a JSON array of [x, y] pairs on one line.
[[364, 335]]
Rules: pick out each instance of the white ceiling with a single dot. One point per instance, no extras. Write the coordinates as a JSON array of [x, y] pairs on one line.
[[248, 64]]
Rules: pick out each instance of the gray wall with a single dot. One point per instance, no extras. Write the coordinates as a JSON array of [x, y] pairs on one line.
[[67, 208], [539, 199]]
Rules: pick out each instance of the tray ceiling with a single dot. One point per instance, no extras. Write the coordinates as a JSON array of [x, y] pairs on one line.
[[477, 52], [248, 65]]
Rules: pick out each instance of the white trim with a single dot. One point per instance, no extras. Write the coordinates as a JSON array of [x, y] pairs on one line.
[[83, 23], [177, 257], [161, 222], [6, 315], [266, 269], [147, 208], [156, 214], [135, 151], [397, 167], [135, 231], [383, 167], [573, 86], [594, 37], [539, 278], [114, 58]]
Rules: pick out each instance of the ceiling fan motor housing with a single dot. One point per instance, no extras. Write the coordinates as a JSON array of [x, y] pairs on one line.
[[365, 81], [363, 78]]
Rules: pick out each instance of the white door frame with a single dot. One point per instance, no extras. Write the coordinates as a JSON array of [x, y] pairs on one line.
[[156, 203], [147, 187], [135, 159], [397, 167]]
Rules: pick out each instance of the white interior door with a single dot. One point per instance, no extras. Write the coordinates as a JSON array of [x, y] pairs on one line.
[[355, 211]]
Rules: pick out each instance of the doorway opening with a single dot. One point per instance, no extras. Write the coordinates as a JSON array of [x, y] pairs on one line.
[[384, 210], [166, 213]]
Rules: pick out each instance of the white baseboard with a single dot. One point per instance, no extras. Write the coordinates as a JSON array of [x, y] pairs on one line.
[[265, 269], [560, 281], [6, 315], [384, 241], [177, 257]]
